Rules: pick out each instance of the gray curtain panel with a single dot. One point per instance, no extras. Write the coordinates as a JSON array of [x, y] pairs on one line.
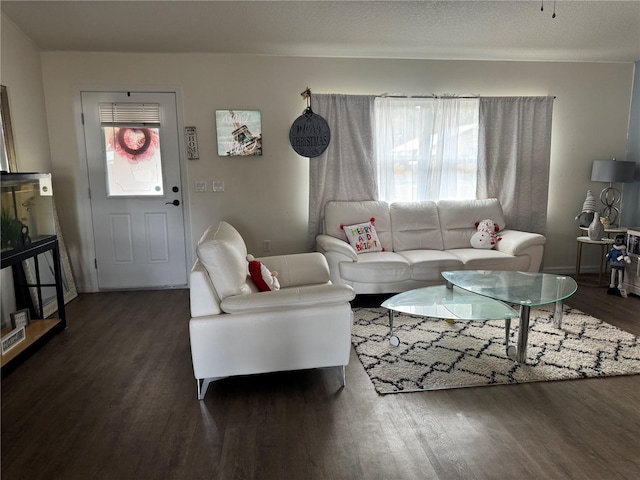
[[347, 169], [513, 158]]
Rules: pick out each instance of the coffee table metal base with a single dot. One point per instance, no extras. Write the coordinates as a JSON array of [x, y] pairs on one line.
[[510, 349], [449, 304], [523, 328]]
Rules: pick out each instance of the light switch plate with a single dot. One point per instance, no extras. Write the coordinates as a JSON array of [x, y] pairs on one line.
[[218, 186], [201, 186]]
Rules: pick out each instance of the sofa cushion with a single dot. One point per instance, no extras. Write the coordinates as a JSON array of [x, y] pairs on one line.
[[223, 254], [376, 267], [474, 259], [338, 214], [416, 225], [458, 218], [427, 264], [363, 237]]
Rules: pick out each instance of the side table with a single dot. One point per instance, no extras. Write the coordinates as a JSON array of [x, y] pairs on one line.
[[604, 243], [609, 231]]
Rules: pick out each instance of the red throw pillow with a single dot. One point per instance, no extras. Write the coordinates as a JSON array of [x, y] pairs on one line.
[[265, 280], [256, 276]]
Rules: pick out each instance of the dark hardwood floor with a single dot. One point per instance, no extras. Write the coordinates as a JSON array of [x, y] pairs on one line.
[[113, 397]]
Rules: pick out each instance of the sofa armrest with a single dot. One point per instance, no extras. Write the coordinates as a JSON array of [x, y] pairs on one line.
[[288, 298], [299, 269], [514, 242], [202, 296], [327, 243]]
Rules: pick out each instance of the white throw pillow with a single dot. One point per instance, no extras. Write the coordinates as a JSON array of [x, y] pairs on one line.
[[224, 257], [363, 237]]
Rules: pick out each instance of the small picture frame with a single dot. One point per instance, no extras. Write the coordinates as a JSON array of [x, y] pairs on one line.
[[12, 339], [21, 318]]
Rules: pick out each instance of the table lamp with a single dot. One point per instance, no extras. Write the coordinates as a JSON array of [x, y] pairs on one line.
[[611, 171]]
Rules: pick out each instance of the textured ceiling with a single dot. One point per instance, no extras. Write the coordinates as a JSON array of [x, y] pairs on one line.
[[485, 30]]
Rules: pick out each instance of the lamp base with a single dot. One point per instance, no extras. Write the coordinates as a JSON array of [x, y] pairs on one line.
[[610, 198]]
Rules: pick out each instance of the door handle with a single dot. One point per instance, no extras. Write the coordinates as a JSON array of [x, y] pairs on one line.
[[175, 202]]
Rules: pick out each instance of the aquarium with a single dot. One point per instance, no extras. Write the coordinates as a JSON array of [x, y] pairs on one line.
[[27, 209]]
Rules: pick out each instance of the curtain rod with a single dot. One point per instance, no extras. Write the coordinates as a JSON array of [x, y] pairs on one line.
[[307, 94], [385, 95]]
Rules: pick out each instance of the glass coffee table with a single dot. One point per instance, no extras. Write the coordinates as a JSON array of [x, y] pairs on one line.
[[442, 302], [475, 287], [520, 288]]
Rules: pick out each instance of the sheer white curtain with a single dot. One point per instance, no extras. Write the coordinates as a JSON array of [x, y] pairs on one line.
[[346, 170], [426, 148], [513, 158]]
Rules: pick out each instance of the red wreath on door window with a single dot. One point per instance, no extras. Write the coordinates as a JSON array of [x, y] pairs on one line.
[[136, 144]]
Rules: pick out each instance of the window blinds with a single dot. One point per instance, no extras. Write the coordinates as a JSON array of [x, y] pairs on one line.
[[130, 113]]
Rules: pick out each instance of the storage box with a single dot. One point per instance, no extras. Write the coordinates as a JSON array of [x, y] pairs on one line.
[[633, 240], [26, 209], [631, 279]]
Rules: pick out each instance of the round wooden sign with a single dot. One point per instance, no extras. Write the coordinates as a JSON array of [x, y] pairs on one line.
[[309, 135]]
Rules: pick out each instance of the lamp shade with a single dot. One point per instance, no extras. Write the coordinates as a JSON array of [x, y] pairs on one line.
[[612, 171]]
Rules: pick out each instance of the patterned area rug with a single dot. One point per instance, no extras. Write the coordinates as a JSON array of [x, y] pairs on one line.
[[434, 354]]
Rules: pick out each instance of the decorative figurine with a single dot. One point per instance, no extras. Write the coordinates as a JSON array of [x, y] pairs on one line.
[[588, 209], [617, 258], [486, 234]]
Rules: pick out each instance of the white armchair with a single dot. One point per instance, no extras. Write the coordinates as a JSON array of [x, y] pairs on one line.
[[236, 330]]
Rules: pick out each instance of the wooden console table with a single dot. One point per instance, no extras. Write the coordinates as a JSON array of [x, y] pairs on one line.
[[38, 329]]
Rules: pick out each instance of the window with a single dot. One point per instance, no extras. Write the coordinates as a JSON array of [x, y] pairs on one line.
[[426, 148], [132, 149]]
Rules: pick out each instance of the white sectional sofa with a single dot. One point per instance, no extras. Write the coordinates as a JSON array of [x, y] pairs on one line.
[[236, 330], [421, 240]]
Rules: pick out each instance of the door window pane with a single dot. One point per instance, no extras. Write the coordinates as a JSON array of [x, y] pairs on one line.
[[133, 160]]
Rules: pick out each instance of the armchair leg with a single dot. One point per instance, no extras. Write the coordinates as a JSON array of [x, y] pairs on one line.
[[342, 375], [202, 385]]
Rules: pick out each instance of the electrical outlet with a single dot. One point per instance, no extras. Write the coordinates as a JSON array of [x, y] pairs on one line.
[[201, 186], [218, 186], [266, 245]]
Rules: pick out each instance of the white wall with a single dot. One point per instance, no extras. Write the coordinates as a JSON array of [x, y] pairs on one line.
[[630, 212], [266, 197], [21, 73]]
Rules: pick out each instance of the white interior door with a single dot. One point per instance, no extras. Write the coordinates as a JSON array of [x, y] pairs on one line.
[[135, 188]]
